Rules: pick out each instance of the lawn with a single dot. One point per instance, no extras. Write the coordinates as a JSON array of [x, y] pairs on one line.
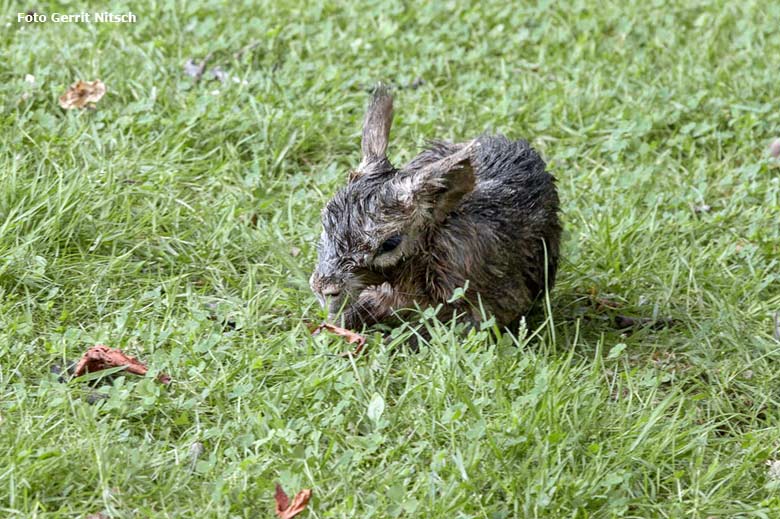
[[178, 221]]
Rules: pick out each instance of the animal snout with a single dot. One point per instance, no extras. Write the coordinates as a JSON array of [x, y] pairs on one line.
[[330, 298], [328, 292], [331, 291]]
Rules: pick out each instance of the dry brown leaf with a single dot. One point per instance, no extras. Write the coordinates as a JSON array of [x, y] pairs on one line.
[[287, 510], [282, 501], [97, 516], [101, 357], [82, 93], [349, 335]]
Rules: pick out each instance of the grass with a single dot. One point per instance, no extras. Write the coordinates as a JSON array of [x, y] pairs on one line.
[[132, 225]]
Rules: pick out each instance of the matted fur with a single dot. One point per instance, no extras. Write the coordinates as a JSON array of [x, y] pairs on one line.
[[483, 212]]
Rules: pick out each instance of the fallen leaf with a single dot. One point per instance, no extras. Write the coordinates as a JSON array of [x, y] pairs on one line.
[[97, 516], [349, 335], [82, 93], [287, 510], [100, 357], [282, 501]]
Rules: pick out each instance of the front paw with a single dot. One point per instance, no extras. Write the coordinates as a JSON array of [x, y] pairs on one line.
[[374, 304]]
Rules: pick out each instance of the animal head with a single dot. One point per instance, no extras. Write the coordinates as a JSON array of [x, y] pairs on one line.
[[383, 217]]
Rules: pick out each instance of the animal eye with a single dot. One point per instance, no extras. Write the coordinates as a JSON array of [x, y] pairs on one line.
[[390, 244]]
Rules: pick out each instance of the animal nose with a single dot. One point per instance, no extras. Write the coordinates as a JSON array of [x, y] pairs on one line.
[[331, 291]]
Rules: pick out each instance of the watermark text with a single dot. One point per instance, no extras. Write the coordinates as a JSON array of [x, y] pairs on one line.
[[83, 17]]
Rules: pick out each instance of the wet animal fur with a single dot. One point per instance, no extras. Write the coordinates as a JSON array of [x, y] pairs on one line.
[[483, 212]]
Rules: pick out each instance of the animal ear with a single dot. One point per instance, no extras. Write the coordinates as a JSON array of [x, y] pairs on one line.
[[441, 185], [376, 132]]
